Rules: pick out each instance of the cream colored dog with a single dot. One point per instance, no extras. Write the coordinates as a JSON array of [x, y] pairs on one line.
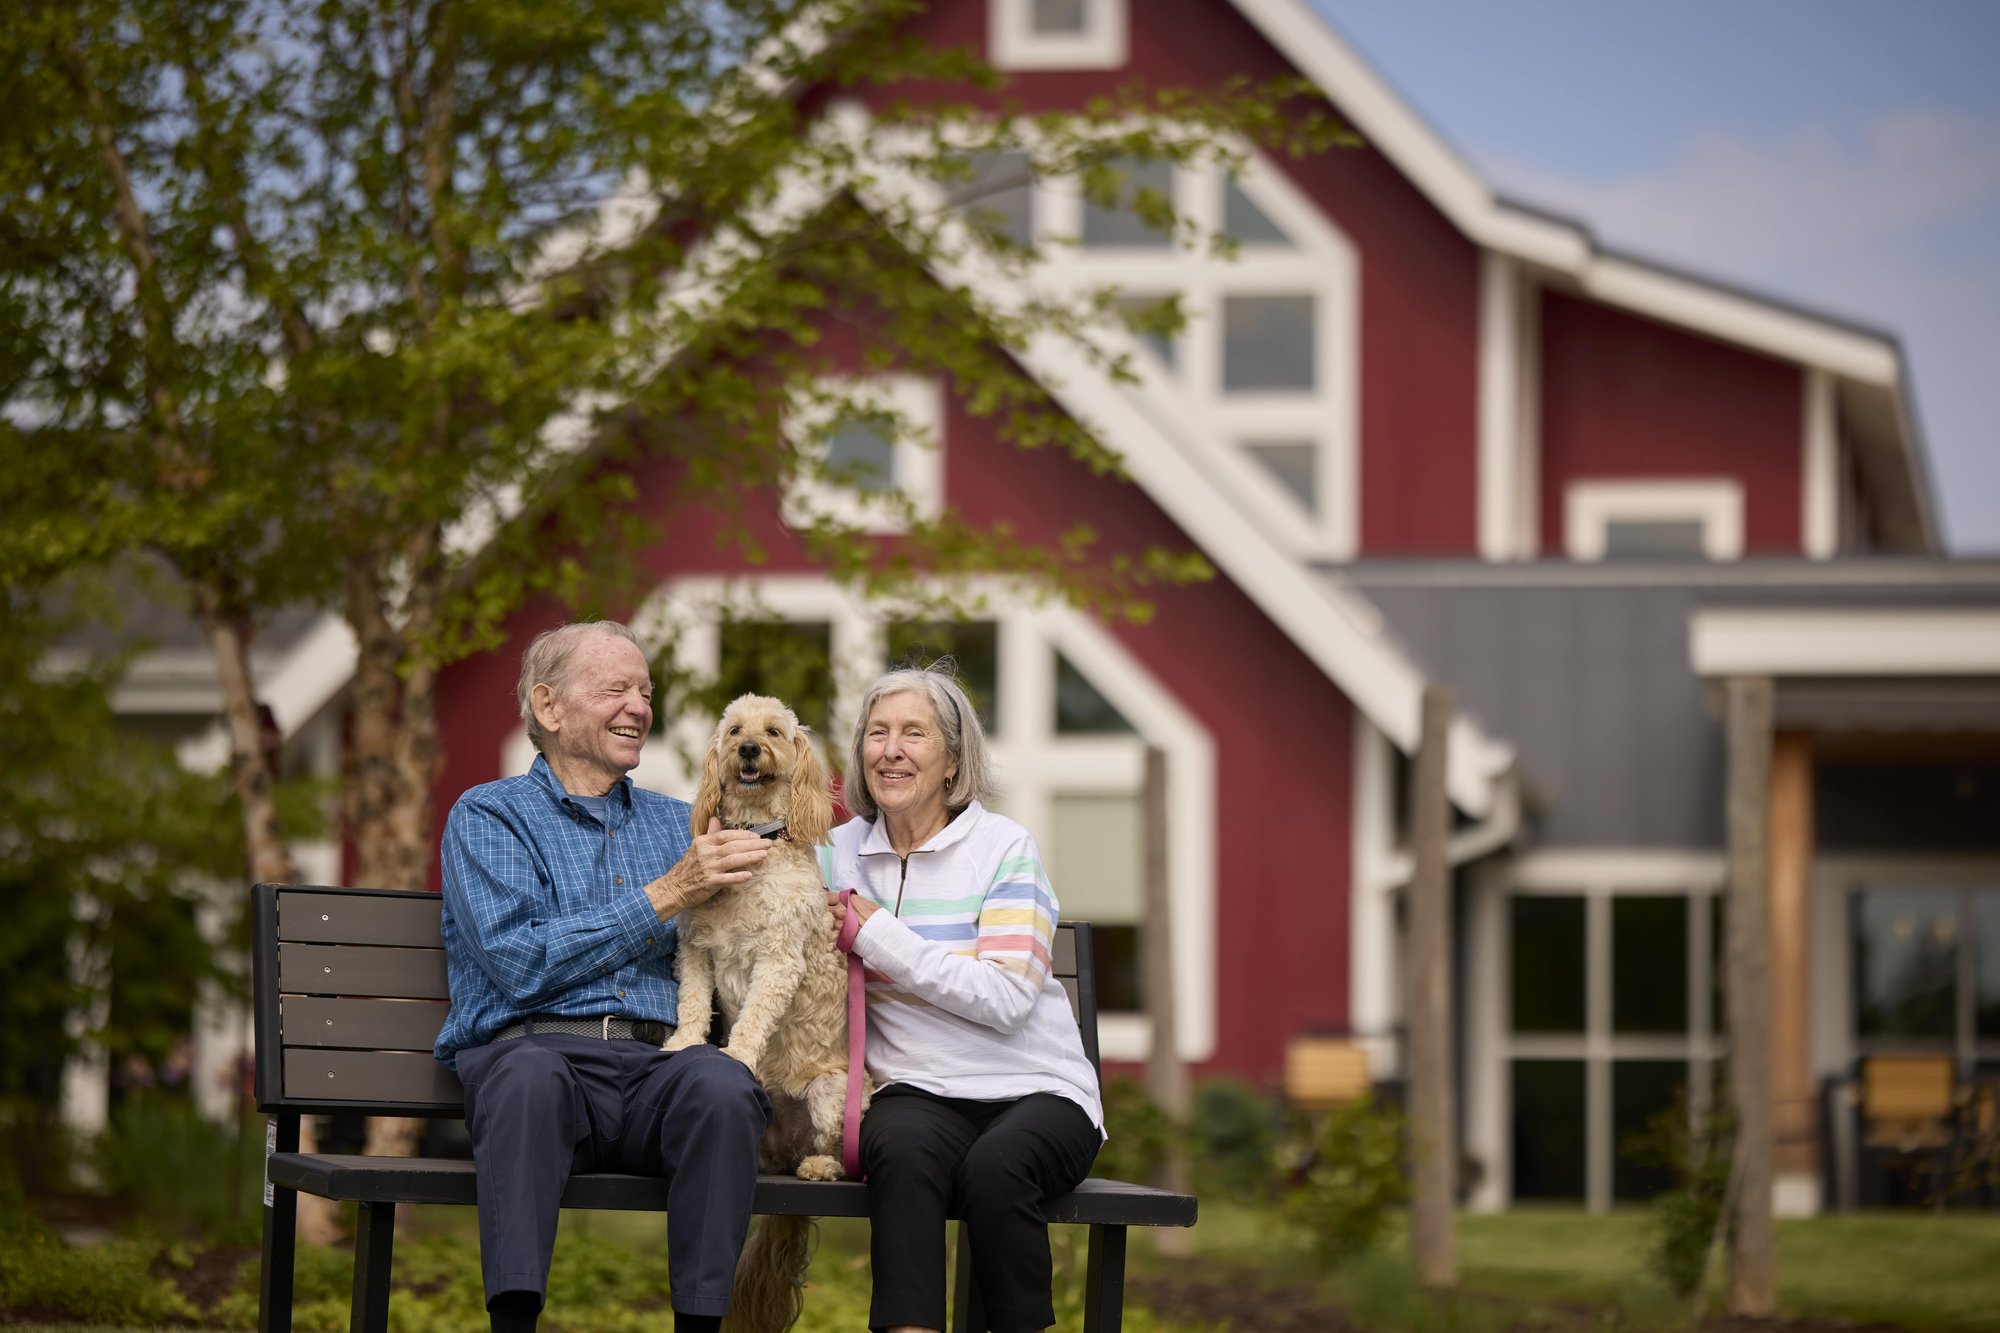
[[765, 948]]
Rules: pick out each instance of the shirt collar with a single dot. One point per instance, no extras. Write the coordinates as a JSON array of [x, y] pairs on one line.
[[620, 796], [877, 841]]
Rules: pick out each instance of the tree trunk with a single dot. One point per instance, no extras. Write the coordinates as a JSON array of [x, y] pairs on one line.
[[389, 766], [253, 754]]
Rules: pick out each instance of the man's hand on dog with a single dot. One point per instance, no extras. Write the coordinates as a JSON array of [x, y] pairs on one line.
[[719, 858]]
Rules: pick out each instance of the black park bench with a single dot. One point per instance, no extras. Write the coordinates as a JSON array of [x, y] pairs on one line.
[[350, 992]]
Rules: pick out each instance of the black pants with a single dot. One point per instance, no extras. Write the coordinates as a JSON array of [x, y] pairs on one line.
[[995, 1162], [543, 1106]]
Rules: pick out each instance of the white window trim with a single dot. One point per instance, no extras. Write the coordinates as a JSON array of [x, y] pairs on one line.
[[1187, 401], [1596, 876], [1013, 44], [1590, 506], [916, 464], [1035, 763]]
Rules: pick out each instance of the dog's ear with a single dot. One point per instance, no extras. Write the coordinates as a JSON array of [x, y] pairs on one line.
[[707, 796], [809, 816]]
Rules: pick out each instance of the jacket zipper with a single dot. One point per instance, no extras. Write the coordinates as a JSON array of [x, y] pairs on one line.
[[902, 878]]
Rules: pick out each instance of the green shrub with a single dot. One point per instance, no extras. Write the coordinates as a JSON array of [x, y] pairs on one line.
[[188, 1174], [1140, 1133], [1695, 1148], [1231, 1142], [1348, 1181], [112, 1283]]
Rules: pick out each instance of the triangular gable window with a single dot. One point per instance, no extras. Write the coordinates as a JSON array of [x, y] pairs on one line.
[[1081, 709], [1294, 465], [1244, 222]]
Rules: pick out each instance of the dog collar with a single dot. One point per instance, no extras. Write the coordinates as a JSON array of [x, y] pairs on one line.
[[774, 829]]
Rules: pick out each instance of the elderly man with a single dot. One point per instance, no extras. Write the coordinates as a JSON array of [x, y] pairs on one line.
[[560, 889]]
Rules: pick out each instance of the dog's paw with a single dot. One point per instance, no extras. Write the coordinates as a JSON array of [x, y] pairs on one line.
[[740, 1055], [819, 1168], [682, 1039]]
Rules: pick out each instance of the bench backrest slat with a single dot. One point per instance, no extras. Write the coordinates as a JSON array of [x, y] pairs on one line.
[[375, 1077], [362, 969], [350, 994], [366, 1024]]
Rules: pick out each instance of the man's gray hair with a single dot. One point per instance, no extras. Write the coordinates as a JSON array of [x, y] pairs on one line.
[[958, 724], [550, 660]]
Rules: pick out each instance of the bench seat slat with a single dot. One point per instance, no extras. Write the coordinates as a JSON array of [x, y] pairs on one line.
[[451, 1181], [360, 969]]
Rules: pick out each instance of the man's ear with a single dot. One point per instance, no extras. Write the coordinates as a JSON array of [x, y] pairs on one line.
[[548, 707]]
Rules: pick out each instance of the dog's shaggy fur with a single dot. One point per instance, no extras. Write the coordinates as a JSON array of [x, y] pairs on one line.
[[765, 950]]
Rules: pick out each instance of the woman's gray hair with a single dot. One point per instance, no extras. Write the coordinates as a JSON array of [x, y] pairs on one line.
[[549, 661], [958, 724]]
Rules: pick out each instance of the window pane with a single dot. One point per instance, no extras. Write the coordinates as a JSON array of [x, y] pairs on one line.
[[1905, 963], [1080, 708], [1055, 17], [1640, 1090], [998, 196], [1120, 226], [1096, 856], [1548, 1131], [1546, 962], [1649, 964], [1294, 464], [1654, 539], [973, 644], [1986, 960], [859, 454], [1267, 343], [1244, 222], [789, 660], [1144, 308]]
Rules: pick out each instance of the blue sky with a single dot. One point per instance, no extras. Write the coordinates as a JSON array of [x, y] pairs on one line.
[[1843, 154]]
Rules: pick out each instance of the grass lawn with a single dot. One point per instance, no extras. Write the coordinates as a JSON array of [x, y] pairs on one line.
[[1542, 1268], [1928, 1273]]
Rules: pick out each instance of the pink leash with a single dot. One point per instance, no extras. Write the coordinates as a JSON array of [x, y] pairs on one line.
[[857, 1040]]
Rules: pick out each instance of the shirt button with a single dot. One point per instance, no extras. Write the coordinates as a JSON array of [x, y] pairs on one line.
[[617, 879], [621, 994], [649, 939], [614, 833]]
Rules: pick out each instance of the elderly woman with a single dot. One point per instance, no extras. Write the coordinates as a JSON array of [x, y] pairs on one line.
[[985, 1099]]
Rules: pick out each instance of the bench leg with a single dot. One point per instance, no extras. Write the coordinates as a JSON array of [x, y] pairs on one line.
[[281, 1236], [374, 1253], [1104, 1281], [967, 1315]]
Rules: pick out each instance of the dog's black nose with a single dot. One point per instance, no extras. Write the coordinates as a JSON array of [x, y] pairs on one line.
[[748, 750]]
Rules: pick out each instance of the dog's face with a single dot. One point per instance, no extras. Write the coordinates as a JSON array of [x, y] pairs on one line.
[[761, 766]]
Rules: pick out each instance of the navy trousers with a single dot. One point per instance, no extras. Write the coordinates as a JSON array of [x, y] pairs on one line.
[[996, 1161], [543, 1106]]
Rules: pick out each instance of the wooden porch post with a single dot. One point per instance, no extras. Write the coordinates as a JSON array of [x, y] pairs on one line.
[[1794, 1098], [1427, 1006], [1752, 1249], [1166, 1075]]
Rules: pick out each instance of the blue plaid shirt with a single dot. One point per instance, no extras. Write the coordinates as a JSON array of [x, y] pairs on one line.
[[545, 910]]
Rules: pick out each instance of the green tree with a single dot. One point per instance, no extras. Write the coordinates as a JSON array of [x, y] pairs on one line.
[[107, 849], [375, 306]]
